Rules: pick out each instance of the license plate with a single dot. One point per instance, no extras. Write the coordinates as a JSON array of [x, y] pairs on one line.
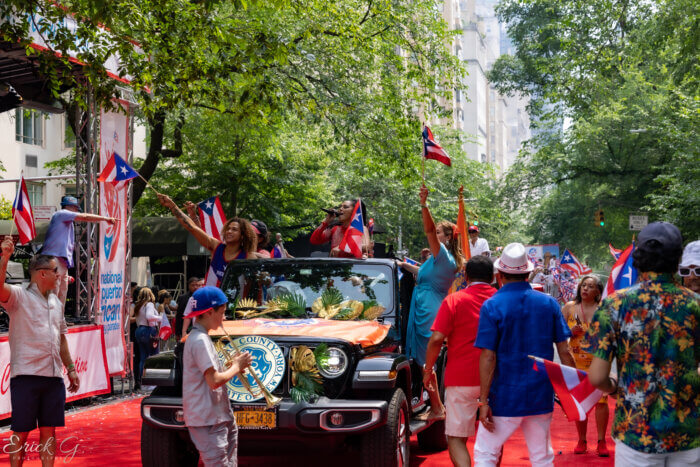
[[255, 417]]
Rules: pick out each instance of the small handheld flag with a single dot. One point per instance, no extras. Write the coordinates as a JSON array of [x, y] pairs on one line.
[[22, 214], [352, 239], [571, 263], [212, 217], [623, 273], [116, 170], [614, 251], [432, 150], [576, 393], [408, 260]]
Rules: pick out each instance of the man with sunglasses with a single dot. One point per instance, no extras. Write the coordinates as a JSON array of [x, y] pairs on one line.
[[38, 353], [652, 330], [689, 269]]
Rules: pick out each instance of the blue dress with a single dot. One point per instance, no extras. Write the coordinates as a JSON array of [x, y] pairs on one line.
[[435, 277]]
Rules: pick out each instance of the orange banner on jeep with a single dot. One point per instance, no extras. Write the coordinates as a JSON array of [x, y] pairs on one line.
[[365, 333]]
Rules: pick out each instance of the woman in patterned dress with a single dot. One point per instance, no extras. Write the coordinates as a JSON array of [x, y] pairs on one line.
[[578, 314]]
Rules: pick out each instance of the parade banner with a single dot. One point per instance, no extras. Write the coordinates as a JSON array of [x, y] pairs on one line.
[[114, 136], [87, 347], [537, 253]]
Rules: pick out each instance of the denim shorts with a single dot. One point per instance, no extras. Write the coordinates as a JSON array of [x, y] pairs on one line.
[[37, 401]]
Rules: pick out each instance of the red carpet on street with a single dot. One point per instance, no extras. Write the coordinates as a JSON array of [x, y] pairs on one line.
[[110, 435]]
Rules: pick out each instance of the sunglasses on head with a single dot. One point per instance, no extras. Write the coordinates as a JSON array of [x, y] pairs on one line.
[[685, 272]]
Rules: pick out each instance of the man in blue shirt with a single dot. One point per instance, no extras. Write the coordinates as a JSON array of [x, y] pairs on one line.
[[60, 238], [516, 322]]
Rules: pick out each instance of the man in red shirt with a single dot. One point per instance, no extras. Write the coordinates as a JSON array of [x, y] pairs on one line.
[[457, 321]]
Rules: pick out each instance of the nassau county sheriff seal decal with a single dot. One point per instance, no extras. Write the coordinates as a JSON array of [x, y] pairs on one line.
[[268, 363]]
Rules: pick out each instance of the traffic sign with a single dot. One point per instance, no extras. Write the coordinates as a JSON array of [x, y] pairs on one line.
[[638, 221]]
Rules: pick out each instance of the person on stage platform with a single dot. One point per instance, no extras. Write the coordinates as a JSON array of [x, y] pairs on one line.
[[60, 238], [38, 354], [578, 314], [333, 228], [433, 282], [457, 322], [207, 410], [239, 241], [514, 323], [651, 329]]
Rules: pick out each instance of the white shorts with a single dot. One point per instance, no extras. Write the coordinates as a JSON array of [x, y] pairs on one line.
[[461, 406], [625, 455]]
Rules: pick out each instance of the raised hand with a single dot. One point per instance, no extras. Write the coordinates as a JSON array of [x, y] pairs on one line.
[[8, 247]]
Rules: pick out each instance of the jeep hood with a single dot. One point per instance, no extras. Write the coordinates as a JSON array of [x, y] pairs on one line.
[[364, 333]]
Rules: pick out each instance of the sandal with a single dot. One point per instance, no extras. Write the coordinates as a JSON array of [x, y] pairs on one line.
[[429, 416], [581, 447]]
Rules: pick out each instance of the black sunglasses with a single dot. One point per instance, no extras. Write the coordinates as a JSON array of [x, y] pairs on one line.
[[685, 272], [55, 270]]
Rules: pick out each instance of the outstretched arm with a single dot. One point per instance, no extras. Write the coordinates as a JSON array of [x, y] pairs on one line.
[[428, 223], [8, 247], [208, 242], [87, 217]]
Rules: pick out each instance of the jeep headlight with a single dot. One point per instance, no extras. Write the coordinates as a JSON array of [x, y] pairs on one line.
[[335, 365]]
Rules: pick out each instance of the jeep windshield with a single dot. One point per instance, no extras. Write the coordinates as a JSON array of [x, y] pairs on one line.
[[330, 289]]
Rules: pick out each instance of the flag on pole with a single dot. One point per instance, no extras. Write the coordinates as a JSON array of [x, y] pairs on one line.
[[116, 170], [463, 226], [623, 274], [212, 217], [165, 329], [352, 239], [432, 150], [576, 393], [614, 251], [22, 214], [571, 263]]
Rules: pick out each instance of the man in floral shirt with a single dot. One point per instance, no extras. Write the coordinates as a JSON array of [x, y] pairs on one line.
[[652, 329]]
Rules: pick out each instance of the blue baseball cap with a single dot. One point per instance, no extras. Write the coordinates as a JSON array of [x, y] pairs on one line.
[[70, 201], [205, 299]]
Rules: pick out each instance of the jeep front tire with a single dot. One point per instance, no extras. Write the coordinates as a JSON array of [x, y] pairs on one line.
[[166, 448], [389, 445]]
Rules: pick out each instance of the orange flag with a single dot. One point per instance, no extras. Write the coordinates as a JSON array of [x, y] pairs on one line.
[[462, 227]]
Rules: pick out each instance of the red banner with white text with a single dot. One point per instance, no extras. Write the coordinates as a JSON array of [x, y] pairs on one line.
[[87, 347]]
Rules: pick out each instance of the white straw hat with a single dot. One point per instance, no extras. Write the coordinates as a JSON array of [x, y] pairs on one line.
[[514, 260]]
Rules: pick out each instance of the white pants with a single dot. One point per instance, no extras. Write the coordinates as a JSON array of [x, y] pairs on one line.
[[535, 430], [626, 456]]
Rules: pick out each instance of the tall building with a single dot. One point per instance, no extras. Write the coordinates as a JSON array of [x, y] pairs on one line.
[[495, 126]]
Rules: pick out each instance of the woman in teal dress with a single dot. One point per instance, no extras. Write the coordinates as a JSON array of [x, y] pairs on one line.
[[435, 276]]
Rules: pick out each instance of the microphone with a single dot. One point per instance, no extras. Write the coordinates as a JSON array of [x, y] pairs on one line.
[[331, 211]]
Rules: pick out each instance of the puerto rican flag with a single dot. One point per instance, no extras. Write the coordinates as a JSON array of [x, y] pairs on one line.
[[576, 393], [614, 251], [117, 170], [278, 251], [212, 217], [571, 263], [352, 239], [408, 260], [623, 274], [22, 214], [432, 150], [165, 329]]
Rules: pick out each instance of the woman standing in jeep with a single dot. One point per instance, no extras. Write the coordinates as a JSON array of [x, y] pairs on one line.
[[435, 276], [239, 241], [333, 233]]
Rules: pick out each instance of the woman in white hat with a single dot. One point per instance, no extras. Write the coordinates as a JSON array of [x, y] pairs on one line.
[[435, 276]]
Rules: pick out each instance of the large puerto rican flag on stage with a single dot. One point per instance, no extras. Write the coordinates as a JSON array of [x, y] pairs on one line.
[[572, 264], [623, 274], [576, 393], [352, 240], [432, 150], [212, 217]]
